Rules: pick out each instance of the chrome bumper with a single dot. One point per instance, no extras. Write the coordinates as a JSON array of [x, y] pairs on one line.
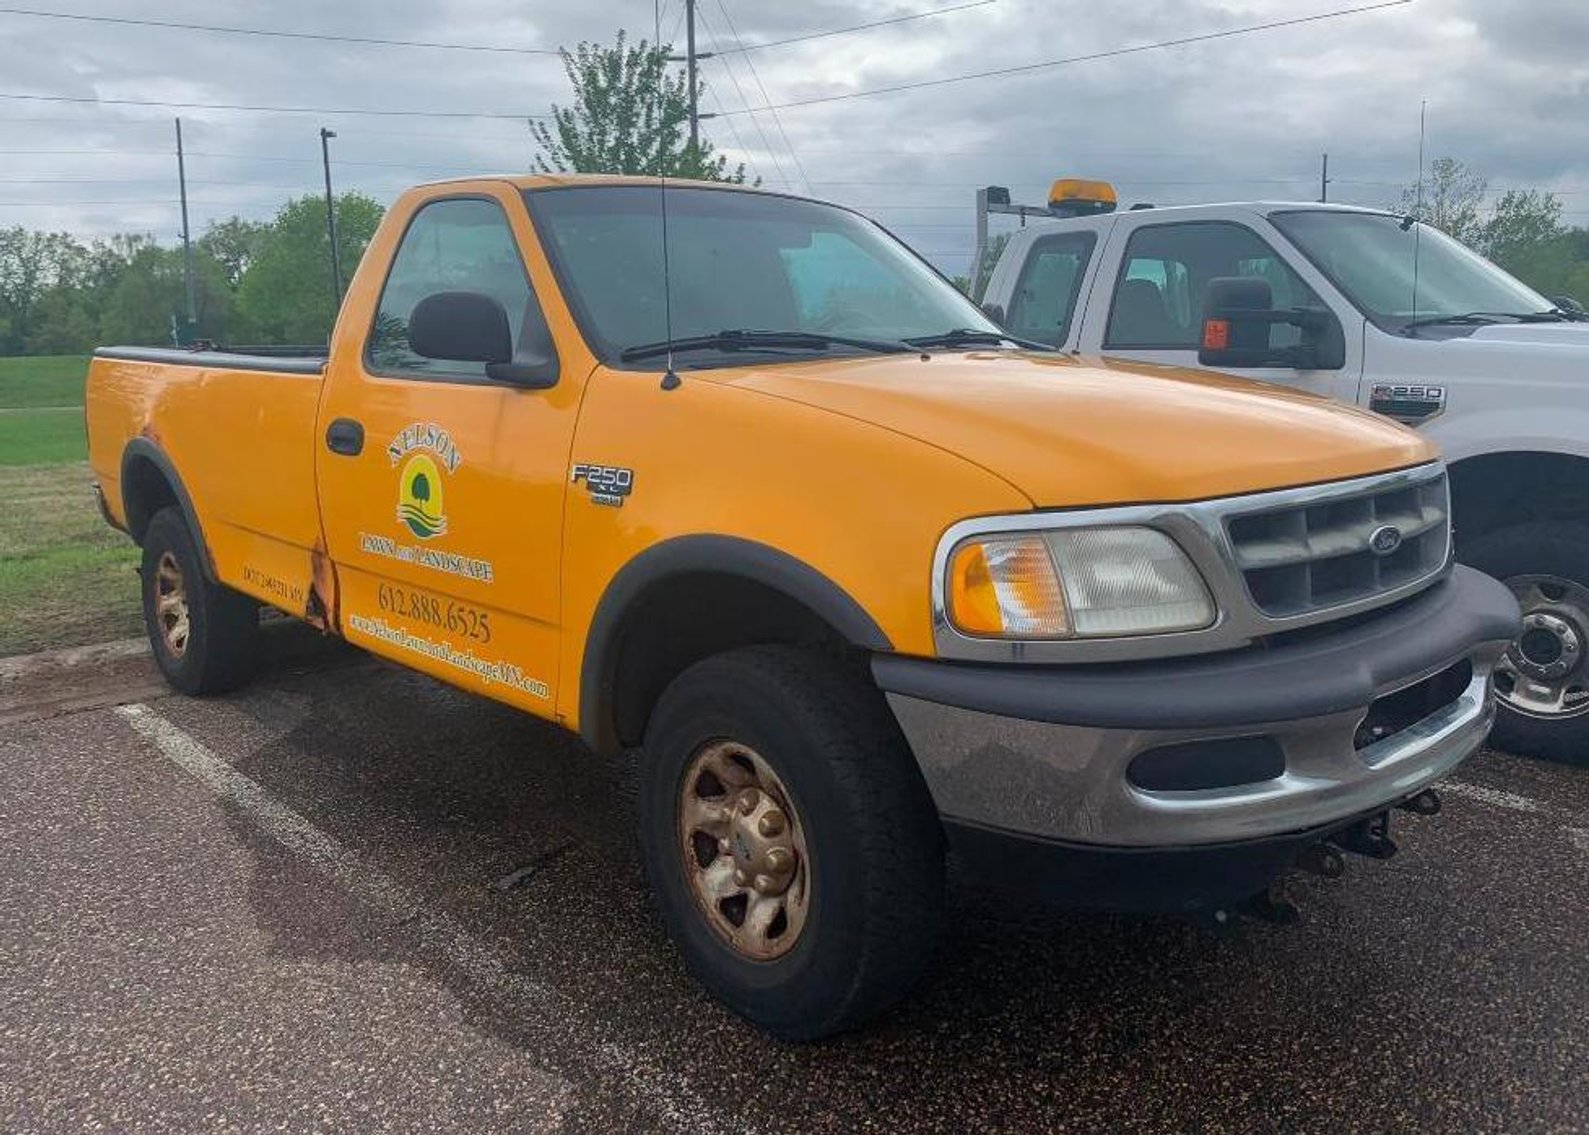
[[1070, 783], [1048, 751]]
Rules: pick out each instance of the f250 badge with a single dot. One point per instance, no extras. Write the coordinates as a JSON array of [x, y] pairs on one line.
[[1407, 402], [608, 484]]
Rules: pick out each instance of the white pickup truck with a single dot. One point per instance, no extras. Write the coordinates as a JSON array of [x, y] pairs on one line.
[[1367, 307]]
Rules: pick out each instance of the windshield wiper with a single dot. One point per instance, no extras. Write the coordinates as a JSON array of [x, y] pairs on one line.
[[1488, 317], [968, 336], [750, 340]]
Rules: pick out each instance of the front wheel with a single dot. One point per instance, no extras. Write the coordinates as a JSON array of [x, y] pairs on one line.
[[1542, 681], [790, 843]]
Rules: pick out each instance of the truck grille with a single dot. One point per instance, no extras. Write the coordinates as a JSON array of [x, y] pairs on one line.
[[1318, 555]]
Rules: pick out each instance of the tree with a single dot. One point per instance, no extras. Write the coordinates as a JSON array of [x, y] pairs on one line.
[[629, 116], [152, 290], [1522, 234], [1450, 199], [285, 292], [234, 243], [990, 257]]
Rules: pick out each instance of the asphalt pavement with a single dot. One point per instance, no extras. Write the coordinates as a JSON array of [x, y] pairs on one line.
[[351, 898]]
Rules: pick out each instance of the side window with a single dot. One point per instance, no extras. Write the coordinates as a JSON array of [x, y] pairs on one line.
[[1044, 300], [1158, 302], [456, 245]]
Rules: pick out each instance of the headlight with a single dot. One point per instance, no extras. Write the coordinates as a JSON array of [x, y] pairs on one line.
[[1075, 583]]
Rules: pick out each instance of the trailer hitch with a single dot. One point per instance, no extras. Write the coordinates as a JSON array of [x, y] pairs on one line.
[[1370, 837], [1425, 803]]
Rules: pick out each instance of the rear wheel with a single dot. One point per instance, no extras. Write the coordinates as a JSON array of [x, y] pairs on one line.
[[792, 847], [204, 636], [1542, 681]]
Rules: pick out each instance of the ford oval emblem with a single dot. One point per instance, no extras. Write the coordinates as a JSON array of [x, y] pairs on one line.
[[1384, 540]]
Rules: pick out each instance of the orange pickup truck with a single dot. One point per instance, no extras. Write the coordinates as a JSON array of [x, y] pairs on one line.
[[860, 579]]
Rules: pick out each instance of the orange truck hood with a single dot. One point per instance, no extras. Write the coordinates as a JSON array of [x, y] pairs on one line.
[[1069, 432]]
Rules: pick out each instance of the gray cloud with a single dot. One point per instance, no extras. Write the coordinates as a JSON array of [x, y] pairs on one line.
[[1507, 83]]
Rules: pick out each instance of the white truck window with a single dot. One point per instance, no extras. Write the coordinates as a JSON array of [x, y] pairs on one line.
[[1044, 300], [1158, 301]]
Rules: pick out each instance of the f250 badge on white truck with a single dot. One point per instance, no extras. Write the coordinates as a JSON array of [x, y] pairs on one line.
[[1367, 307]]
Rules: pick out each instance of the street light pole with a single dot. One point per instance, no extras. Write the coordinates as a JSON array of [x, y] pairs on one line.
[[331, 221], [187, 239]]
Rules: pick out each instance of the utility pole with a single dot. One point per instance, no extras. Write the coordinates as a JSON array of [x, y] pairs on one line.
[[689, 59], [187, 236], [1324, 180], [689, 52], [331, 221]]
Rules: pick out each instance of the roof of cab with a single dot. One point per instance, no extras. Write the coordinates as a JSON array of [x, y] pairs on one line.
[[561, 180], [1181, 212]]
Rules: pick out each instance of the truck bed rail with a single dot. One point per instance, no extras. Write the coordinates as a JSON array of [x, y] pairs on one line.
[[286, 363]]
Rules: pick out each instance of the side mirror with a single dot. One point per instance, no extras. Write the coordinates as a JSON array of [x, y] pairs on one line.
[[995, 312], [1568, 304], [466, 327], [1238, 312], [473, 327]]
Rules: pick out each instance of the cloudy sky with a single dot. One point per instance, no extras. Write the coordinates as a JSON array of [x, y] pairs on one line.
[[1507, 84]]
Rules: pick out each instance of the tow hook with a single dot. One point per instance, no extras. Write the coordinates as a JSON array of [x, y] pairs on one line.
[[1322, 859], [1425, 803], [1272, 906], [1370, 837]]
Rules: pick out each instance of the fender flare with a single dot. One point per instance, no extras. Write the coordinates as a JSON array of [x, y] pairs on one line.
[[142, 449], [705, 554]]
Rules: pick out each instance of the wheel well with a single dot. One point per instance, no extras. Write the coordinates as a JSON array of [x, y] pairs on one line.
[[145, 490], [679, 620], [1498, 490]]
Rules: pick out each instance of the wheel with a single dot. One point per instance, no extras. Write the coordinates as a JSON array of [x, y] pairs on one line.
[[204, 636], [1542, 682], [791, 846]]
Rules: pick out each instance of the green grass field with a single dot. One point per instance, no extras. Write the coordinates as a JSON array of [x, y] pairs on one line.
[[66, 577], [49, 380], [42, 437]]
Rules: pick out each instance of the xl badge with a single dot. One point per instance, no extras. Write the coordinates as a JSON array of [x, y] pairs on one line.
[[608, 484]]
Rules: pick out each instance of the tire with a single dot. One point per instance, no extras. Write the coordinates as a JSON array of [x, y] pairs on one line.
[[220, 647], [1520, 556], [865, 901]]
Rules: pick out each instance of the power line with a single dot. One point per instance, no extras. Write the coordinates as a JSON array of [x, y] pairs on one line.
[[97, 101], [370, 40], [772, 154], [744, 47], [1110, 54], [766, 98]]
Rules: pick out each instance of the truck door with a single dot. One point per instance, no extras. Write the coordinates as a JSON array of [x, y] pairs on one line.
[[1149, 306], [441, 490]]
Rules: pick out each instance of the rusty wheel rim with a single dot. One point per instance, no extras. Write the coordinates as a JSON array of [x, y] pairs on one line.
[[744, 850], [171, 605]]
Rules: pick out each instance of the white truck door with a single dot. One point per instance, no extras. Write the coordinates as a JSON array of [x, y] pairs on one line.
[[1147, 305]]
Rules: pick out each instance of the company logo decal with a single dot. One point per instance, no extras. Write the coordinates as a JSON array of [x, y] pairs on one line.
[[424, 449], [1384, 540], [419, 498]]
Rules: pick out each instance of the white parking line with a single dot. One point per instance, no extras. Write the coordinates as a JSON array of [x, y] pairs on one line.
[[1500, 799], [672, 1098]]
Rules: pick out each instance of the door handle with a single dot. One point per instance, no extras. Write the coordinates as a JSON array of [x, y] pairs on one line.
[[345, 436]]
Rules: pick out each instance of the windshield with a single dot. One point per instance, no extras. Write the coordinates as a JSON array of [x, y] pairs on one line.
[[737, 261], [1372, 258]]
